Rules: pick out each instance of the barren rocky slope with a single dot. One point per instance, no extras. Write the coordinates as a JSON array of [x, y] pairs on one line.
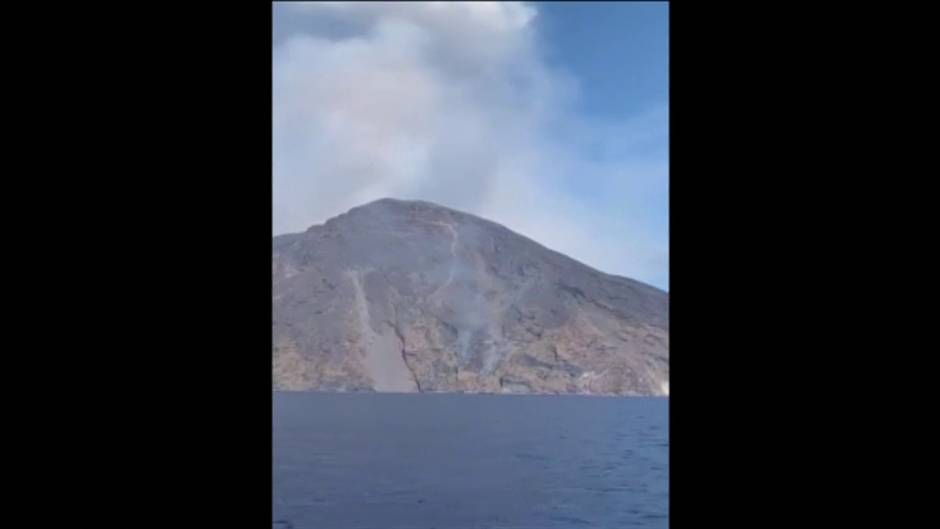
[[407, 296]]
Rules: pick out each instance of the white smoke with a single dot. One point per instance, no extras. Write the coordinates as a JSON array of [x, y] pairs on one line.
[[449, 102]]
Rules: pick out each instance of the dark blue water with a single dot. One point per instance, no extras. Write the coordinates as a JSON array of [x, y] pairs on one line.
[[383, 461]]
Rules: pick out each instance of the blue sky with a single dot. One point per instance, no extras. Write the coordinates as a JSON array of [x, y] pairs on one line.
[[618, 50], [550, 118], [619, 53]]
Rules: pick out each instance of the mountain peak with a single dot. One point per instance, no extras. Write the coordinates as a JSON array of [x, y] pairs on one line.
[[407, 295]]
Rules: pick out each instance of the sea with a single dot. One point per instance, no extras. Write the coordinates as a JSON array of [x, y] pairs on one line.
[[461, 461]]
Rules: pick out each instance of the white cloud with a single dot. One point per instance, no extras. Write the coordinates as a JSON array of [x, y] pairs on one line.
[[448, 102]]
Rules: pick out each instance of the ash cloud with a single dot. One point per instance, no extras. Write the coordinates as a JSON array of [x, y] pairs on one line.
[[453, 103]]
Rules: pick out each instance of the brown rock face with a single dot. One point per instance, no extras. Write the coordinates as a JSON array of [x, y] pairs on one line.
[[407, 296]]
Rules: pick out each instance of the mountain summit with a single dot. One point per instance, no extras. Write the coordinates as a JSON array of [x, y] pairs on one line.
[[409, 296]]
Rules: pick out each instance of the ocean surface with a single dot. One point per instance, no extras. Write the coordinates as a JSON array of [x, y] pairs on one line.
[[446, 461]]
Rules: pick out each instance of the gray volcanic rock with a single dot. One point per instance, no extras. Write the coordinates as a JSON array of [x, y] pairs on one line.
[[408, 296]]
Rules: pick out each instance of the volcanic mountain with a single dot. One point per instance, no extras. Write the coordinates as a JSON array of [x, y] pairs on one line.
[[409, 296]]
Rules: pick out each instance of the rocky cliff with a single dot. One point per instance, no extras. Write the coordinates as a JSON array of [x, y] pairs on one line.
[[407, 296]]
